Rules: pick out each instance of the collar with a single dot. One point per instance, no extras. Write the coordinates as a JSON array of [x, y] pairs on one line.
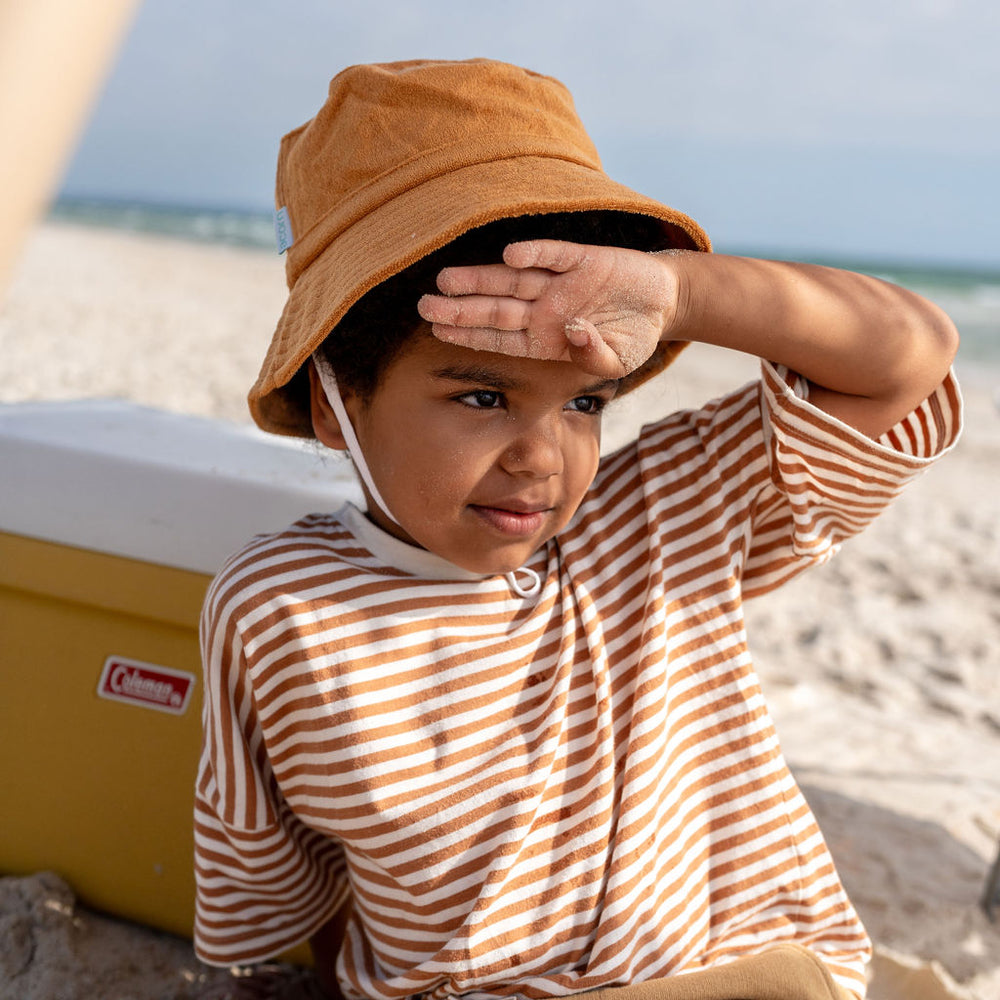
[[419, 562]]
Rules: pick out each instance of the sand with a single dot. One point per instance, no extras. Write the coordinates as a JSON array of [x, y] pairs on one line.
[[881, 668]]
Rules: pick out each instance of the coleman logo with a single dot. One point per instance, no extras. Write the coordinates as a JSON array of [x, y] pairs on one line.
[[146, 684]]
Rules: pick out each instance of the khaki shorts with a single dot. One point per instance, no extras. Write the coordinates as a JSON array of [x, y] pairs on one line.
[[784, 972]]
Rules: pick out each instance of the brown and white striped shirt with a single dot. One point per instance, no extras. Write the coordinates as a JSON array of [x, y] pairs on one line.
[[538, 796]]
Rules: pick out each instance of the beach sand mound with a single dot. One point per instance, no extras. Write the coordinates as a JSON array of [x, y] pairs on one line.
[[50, 949]]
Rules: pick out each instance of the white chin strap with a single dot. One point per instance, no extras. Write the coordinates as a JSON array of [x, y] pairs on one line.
[[331, 390], [328, 380]]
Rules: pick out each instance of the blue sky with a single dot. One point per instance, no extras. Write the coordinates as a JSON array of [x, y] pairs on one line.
[[855, 128]]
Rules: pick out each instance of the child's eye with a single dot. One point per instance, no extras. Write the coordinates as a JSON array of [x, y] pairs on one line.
[[482, 399], [586, 404]]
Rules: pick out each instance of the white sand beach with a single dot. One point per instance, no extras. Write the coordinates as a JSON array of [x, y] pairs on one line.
[[882, 668]]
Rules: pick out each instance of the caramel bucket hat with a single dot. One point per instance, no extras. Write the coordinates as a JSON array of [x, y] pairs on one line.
[[402, 159]]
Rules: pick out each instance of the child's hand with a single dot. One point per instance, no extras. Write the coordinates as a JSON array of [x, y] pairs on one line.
[[603, 308]]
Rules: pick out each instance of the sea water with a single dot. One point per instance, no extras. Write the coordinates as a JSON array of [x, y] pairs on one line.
[[970, 295], [207, 225]]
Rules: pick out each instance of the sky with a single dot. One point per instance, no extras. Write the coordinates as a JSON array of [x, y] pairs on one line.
[[865, 129]]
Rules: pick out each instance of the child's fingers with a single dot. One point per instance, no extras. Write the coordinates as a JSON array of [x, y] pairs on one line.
[[493, 279], [588, 350], [487, 311], [583, 346], [515, 343], [550, 255]]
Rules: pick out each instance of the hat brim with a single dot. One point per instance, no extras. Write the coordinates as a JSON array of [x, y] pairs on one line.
[[413, 224]]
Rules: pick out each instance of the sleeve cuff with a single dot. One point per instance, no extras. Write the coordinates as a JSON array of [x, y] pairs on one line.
[[927, 432]]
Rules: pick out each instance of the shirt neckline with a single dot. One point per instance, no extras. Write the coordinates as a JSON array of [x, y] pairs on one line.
[[401, 555], [420, 562]]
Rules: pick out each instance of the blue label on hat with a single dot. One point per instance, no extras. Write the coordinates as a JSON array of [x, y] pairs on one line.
[[283, 229]]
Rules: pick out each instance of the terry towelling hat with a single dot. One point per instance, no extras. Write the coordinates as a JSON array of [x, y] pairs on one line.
[[402, 159]]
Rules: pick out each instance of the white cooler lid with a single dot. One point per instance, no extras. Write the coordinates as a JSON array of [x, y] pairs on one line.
[[161, 487]]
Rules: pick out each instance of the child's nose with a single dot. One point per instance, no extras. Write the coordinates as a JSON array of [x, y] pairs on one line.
[[536, 450]]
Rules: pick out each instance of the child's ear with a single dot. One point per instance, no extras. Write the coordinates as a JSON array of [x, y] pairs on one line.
[[326, 426]]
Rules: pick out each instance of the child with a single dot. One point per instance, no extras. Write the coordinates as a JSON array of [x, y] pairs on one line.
[[499, 734]]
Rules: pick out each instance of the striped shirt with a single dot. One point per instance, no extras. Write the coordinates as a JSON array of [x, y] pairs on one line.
[[538, 796]]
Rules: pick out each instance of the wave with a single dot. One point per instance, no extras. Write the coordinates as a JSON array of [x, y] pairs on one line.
[[234, 227]]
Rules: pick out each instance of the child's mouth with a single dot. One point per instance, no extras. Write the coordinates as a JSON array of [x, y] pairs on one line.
[[512, 522]]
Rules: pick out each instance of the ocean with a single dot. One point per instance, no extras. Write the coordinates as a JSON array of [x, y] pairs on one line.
[[970, 295]]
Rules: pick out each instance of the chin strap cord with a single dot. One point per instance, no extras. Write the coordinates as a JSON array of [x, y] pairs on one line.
[[328, 380]]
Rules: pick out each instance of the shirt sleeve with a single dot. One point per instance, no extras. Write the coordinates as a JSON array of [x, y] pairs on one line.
[[264, 880], [828, 481]]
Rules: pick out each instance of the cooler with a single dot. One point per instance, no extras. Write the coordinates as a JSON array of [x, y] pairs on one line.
[[113, 520]]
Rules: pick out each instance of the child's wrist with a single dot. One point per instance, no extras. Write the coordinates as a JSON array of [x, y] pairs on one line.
[[677, 300]]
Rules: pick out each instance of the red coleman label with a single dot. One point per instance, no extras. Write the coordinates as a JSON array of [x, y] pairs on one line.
[[146, 684]]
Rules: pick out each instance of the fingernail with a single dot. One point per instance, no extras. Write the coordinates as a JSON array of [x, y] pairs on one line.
[[577, 333]]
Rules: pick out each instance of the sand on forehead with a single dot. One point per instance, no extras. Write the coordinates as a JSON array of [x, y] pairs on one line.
[[881, 668]]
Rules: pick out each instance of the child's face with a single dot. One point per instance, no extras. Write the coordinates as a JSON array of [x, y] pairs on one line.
[[481, 457]]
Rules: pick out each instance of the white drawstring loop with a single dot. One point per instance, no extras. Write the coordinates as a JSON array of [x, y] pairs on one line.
[[534, 587]]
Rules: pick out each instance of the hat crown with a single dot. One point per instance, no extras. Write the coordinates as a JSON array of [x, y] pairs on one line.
[[387, 127], [402, 159]]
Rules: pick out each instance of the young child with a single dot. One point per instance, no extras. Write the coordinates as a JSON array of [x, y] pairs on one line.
[[499, 734]]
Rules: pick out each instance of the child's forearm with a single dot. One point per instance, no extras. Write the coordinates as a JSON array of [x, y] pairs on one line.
[[872, 350]]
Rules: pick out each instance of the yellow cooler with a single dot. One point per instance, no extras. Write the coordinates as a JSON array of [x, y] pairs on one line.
[[113, 519]]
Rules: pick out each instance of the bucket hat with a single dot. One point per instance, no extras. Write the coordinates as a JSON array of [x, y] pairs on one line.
[[403, 158]]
